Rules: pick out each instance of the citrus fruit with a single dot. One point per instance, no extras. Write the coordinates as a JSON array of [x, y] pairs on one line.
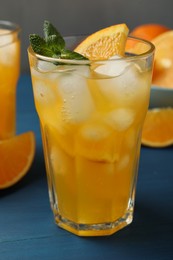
[[158, 127], [16, 155], [163, 65], [104, 43], [148, 31]]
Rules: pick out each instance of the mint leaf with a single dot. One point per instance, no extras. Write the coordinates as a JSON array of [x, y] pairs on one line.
[[39, 45], [52, 45], [50, 30], [72, 55]]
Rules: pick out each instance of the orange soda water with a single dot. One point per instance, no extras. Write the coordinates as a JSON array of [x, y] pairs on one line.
[[91, 119], [9, 74]]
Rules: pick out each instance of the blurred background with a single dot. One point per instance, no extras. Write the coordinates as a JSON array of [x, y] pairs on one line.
[[82, 17]]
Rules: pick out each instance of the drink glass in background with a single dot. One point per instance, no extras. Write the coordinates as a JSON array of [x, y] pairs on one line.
[[91, 115], [9, 74]]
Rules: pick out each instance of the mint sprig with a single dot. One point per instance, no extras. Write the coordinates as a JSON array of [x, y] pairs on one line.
[[39, 45], [52, 35], [53, 44]]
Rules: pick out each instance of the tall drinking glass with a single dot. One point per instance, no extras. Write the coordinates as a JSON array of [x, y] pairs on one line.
[[91, 115], [9, 74]]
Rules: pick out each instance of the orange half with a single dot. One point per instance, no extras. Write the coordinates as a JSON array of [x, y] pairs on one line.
[[16, 156], [158, 128], [163, 64]]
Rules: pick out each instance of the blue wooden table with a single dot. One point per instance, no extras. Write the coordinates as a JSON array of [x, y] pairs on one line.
[[27, 229]]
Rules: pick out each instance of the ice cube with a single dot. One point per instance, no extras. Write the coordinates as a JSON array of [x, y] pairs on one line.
[[82, 70], [45, 66], [127, 88], [78, 104], [97, 141], [123, 162], [112, 68], [52, 71], [8, 53], [130, 138], [95, 131], [9, 47], [43, 92], [61, 162], [120, 119], [132, 85], [5, 37]]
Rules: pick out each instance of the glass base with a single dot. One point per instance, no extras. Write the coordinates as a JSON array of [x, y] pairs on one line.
[[101, 229]]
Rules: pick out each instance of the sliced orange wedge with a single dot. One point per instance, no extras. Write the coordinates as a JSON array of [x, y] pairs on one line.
[[16, 156], [158, 128], [104, 43]]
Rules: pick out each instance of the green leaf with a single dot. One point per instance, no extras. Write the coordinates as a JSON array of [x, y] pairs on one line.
[[72, 55], [50, 30], [39, 45], [53, 45]]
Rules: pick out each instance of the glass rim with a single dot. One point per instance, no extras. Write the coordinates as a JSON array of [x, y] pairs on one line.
[[13, 27], [145, 54]]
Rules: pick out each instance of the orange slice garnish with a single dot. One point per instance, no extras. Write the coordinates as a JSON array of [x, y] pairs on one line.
[[105, 43]]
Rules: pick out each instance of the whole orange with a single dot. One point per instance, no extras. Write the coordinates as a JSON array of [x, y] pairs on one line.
[[149, 31]]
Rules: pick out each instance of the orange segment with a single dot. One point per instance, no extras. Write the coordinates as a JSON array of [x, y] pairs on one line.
[[163, 66], [158, 128], [148, 31], [16, 156], [105, 43]]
